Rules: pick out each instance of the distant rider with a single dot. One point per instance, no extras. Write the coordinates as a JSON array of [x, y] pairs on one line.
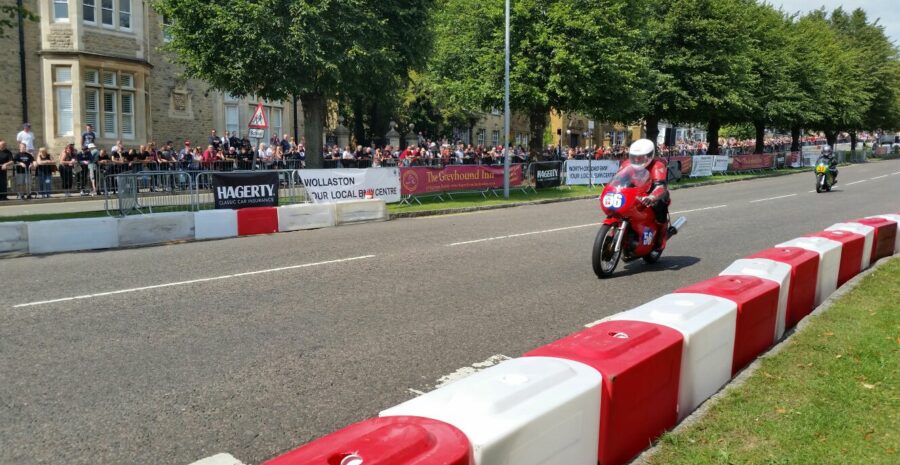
[[828, 155], [641, 153]]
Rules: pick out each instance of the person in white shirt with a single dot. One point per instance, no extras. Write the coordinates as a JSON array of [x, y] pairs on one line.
[[25, 136]]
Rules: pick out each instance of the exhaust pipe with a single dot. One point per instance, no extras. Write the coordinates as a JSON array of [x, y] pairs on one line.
[[676, 226]]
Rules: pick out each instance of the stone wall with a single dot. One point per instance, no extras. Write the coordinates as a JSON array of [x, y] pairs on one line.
[[10, 90]]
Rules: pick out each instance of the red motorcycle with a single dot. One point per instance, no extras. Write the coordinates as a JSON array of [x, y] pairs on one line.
[[630, 229]]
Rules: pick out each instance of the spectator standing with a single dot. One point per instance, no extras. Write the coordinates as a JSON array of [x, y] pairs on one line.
[[89, 136], [235, 141], [6, 162], [214, 140], [83, 159], [44, 167], [285, 144], [23, 161], [25, 136]]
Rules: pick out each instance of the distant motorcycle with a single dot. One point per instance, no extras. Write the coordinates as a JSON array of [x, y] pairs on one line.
[[630, 229], [824, 175]]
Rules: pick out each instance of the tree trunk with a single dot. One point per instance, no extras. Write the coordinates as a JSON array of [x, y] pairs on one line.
[[652, 122], [795, 138], [712, 135], [359, 127], [853, 140], [831, 138], [760, 136], [313, 127], [537, 124]]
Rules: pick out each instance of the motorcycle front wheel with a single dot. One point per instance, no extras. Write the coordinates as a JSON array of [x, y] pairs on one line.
[[820, 181], [604, 258]]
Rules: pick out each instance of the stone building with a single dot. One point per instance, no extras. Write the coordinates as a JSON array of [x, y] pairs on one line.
[[99, 62]]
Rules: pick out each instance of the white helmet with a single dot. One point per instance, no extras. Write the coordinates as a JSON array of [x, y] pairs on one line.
[[641, 152]]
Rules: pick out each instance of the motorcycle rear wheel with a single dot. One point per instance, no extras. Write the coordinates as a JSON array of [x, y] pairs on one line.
[[603, 256]]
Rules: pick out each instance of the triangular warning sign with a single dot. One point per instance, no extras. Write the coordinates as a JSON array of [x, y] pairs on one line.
[[258, 120]]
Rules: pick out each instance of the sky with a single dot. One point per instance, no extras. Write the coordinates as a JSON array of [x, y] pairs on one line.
[[887, 10]]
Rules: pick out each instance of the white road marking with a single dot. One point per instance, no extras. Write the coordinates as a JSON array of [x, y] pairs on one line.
[[856, 182], [773, 198], [464, 372], [880, 177], [895, 174], [192, 281], [511, 236], [812, 192], [698, 210], [602, 320], [219, 459]]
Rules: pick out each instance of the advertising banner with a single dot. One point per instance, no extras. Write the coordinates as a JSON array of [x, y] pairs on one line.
[[424, 180], [547, 174], [752, 162], [684, 163], [702, 166], [580, 172], [720, 163], [245, 190], [334, 185]]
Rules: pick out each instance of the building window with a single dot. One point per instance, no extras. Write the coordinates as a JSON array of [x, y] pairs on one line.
[[232, 118], [495, 111], [61, 11], [107, 13], [495, 138], [275, 121], [166, 29], [125, 14], [62, 84], [481, 137], [88, 10], [109, 103]]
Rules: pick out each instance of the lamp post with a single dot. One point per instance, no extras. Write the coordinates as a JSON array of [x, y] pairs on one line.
[[506, 113]]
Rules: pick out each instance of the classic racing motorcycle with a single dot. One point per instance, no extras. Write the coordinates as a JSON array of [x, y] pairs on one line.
[[630, 229], [824, 175]]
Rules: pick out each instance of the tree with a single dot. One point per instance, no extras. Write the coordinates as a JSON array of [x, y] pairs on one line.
[[700, 64], [9, 17], [313, 49]]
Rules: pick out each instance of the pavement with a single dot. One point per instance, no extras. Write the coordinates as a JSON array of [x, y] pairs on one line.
[[256, 345]]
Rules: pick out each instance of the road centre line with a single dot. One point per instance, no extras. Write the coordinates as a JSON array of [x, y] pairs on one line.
[[510, 236], [773, 198], [895, 174], [880, 177], [857, 182], [192, 281], [698, 210]]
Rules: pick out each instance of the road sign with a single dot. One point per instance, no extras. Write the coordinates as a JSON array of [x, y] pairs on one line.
[[257, 133], [258, 120]]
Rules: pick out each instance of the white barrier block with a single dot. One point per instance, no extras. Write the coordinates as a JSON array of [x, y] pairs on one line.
[[13, 237], [156, 228], [862, 230], [525, 411], [829, 262], [356, 211], [770, 270], [215, 224], [896, 219], [75, 234], [305, 216], [709, 324]]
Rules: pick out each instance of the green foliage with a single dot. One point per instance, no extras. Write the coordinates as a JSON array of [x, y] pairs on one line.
[[9, 17]]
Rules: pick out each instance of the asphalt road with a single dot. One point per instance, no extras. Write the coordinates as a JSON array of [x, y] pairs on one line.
[[256, 364]]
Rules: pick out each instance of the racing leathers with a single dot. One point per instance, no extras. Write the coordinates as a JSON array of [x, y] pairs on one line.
[[658, 197]]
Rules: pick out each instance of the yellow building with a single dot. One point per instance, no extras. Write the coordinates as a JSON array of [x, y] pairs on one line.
[[576, 130]]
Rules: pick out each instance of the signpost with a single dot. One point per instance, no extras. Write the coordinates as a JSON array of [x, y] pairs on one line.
[[258, 125]]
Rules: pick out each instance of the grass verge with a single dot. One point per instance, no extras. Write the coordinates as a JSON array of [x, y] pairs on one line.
[[832, 396]]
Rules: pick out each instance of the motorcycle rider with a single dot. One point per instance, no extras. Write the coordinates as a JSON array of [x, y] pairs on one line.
[[641, 153], [828, 155]]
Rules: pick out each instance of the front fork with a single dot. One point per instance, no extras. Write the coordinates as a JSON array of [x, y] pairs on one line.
[[620, 236]]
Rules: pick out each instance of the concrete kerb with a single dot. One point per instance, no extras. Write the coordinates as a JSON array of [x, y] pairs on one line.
[[452, 211], [13, 238], [741, 378]]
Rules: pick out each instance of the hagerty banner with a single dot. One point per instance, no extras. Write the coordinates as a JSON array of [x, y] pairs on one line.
[[424, 180], [580, 172], [245, 190], [335, 185], [547, 174]]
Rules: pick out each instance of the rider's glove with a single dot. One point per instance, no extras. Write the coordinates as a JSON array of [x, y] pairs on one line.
[[648, 200]]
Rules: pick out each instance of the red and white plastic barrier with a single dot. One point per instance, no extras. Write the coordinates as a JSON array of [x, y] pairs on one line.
[[601, 395]]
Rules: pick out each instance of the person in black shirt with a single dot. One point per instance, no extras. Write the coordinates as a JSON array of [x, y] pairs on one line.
[[88, 136], [23, 161], [6, 162], [215, 140], [234, 140]]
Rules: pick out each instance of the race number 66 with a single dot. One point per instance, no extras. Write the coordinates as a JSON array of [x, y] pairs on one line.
[[613, 200]]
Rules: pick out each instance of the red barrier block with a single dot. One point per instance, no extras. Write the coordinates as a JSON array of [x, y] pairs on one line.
[[852, 247], [757, 302], [385, 441], [259, 220], [885, 236], [641, 368], [804, 275]]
